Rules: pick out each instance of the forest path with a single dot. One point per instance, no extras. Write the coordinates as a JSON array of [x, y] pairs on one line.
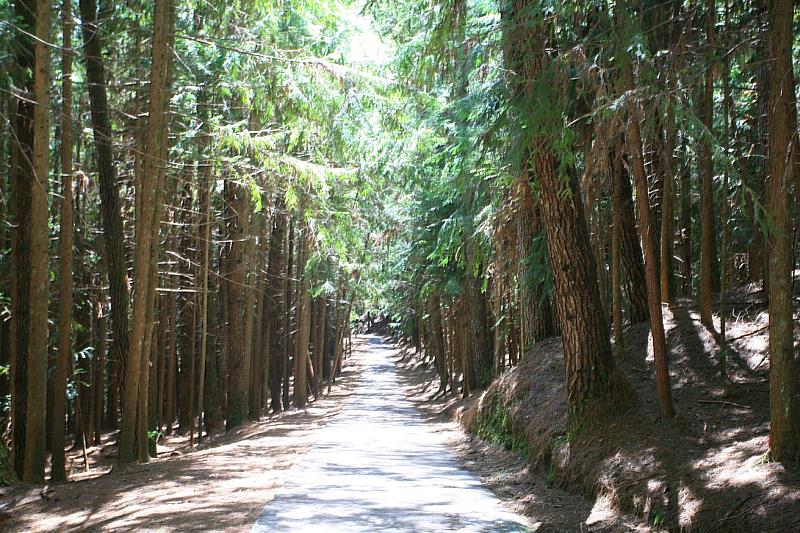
[[378, 466]]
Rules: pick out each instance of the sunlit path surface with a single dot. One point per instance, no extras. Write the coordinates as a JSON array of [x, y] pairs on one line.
[[378, 466]]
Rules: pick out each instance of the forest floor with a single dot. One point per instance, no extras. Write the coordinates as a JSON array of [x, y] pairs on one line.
[[221, 485], [706, 470]]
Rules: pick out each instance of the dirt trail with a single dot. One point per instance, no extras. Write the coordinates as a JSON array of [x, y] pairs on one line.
[[378, 466]]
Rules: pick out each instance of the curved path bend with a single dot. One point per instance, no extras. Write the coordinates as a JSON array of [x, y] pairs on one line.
[[378, 467]]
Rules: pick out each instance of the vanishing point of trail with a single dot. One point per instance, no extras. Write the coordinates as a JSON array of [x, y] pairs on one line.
[[377, 466]]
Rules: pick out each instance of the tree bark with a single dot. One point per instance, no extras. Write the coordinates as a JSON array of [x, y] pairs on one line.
[[632, 263], [667, 227], [58, 472], [616, 257], [784, 433], [291, 300], [535, 314], [36, 423], [205, 183], [480, 345], [707, 257], [303, 320], [147, 224], [238, 361], [647, 226], [109, 196], [276, 304], [436, 340], [594, 385], [22, 178]]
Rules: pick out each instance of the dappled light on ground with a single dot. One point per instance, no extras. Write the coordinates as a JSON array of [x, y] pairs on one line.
[[378, 467], [219, 487]]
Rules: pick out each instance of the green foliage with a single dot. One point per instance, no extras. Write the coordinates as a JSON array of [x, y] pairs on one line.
[[493, 424], [656, 518]]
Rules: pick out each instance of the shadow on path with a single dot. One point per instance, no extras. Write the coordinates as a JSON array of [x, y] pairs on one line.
[[378, 467]]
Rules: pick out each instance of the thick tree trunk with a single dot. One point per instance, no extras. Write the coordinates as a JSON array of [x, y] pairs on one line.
[[303, 321], [22, 178], [594, 385], [257, 353], [784, 435], [109, 195], [58, 472], [147, 224], [479, 336], [35, 425], [238, 361], [632, 263]]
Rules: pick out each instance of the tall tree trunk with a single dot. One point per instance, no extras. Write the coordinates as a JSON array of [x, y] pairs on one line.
[[666, 230], [594, 385], [686, 232], [616, 257], [35, 425], [251, 273], [725, 215], [784, 433], [650, 256], [186, 312], [632, 264], [100, 382], [288, 332], [22, 179], [58, 472], [535, 313], [109, 195], [239, 361], [479, 340], [257, 352], [436, 340], [147, 223], [707, 258], [303, 320], [277, 311], [205, 183]]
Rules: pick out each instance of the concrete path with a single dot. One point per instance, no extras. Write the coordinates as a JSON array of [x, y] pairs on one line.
[[377, 466]]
